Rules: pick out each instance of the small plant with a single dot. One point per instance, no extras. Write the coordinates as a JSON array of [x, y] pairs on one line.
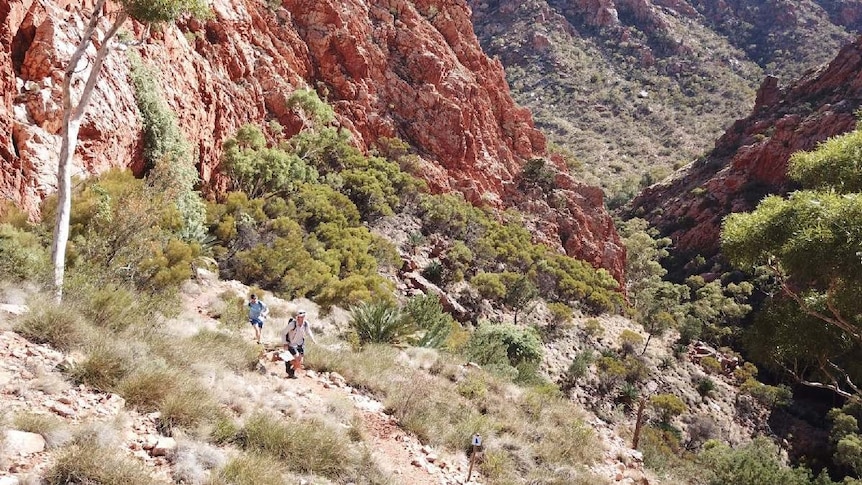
[[594, 327], [630, 341], [711, 365], [58, 326], [433, 272], [770, 396], [253, 468], [53, 429], [89, 462], [380, 322], [667, 406], [577, 369], [705, 386]]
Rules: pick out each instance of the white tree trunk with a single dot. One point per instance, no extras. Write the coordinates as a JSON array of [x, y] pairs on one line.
[[72, 114]]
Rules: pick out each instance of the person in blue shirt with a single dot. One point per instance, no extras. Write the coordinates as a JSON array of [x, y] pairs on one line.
[[257, 312]]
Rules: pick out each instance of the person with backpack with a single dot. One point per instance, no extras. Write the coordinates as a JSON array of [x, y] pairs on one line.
[[257, 312], [293, 339]]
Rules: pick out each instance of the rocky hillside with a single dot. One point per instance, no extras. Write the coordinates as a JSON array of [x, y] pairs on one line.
[[750, 159], [635, 87], [411, 70]]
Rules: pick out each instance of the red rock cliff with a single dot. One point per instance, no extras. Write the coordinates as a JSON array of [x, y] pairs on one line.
[[750, 159], [412, 70]]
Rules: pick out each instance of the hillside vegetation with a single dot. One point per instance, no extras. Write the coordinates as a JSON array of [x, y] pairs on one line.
[[629, 99], [312, 217]]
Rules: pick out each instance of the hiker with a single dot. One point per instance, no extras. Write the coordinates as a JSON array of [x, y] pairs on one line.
[[257, 312], [293, 338]]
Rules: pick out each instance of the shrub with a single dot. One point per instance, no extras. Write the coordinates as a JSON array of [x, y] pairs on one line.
[[577, 369], [753, 464], [22, 256], [380, 322], [433, 272], [767, 395], [667, 406], [92, 463], [426, 313], [308, 446], [59, 326], [705, 386], [53, 429], [521, 344], [629, 341], [489, 285], [711, 365], [104, 367], [561, 314], [594, 327], [253, 468]]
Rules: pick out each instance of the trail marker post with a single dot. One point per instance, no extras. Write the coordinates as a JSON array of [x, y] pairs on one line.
[[476, 453]]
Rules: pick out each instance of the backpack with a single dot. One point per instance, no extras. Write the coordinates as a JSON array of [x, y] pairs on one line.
[[290, 330]]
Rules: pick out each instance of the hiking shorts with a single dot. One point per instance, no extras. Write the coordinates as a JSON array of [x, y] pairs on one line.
[[299, 349], [256, 322]]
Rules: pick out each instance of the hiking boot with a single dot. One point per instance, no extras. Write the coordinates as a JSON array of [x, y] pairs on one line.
[[291, 374]]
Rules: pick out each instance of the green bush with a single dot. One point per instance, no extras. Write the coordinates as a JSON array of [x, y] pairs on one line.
[[504, 347], [426, 313], [489, 285], [22, 256], [756, 463], [667, 406], [711, 365], [577, 368], [767, 395], [380, 322]]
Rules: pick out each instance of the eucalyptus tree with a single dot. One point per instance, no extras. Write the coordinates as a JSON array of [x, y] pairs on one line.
[[811, 244], [144, 11]]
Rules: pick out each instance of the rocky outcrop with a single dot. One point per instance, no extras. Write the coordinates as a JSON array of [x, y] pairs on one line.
[[750, 160], [412, 70]]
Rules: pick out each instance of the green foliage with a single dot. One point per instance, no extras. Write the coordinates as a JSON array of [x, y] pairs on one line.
[[22, 256], [380, 322], [629, 340], [121, 230], [160, 11], [806, 242], [756, 463], [104, 367], [489, 285], [537, 172], [770, 396], [667, 406], [253, 468], [705, 386], [257, 169], [711, 365], [426, 313]]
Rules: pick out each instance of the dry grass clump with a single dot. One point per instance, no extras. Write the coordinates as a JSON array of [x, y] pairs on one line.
[[58, 326], [105, 365], [179, 397], [53, 429], [308, 446], [230, 350], [90, 463], [254, 468]]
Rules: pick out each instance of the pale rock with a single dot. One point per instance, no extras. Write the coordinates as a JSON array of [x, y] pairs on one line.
[[22, 442]]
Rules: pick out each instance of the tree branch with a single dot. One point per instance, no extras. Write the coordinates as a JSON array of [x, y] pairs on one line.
[[97, 63]]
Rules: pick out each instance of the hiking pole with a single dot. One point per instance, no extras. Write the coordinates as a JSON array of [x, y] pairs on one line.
[[477, 448]]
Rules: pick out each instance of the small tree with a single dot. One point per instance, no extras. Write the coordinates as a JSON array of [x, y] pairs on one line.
[[145, 11]]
